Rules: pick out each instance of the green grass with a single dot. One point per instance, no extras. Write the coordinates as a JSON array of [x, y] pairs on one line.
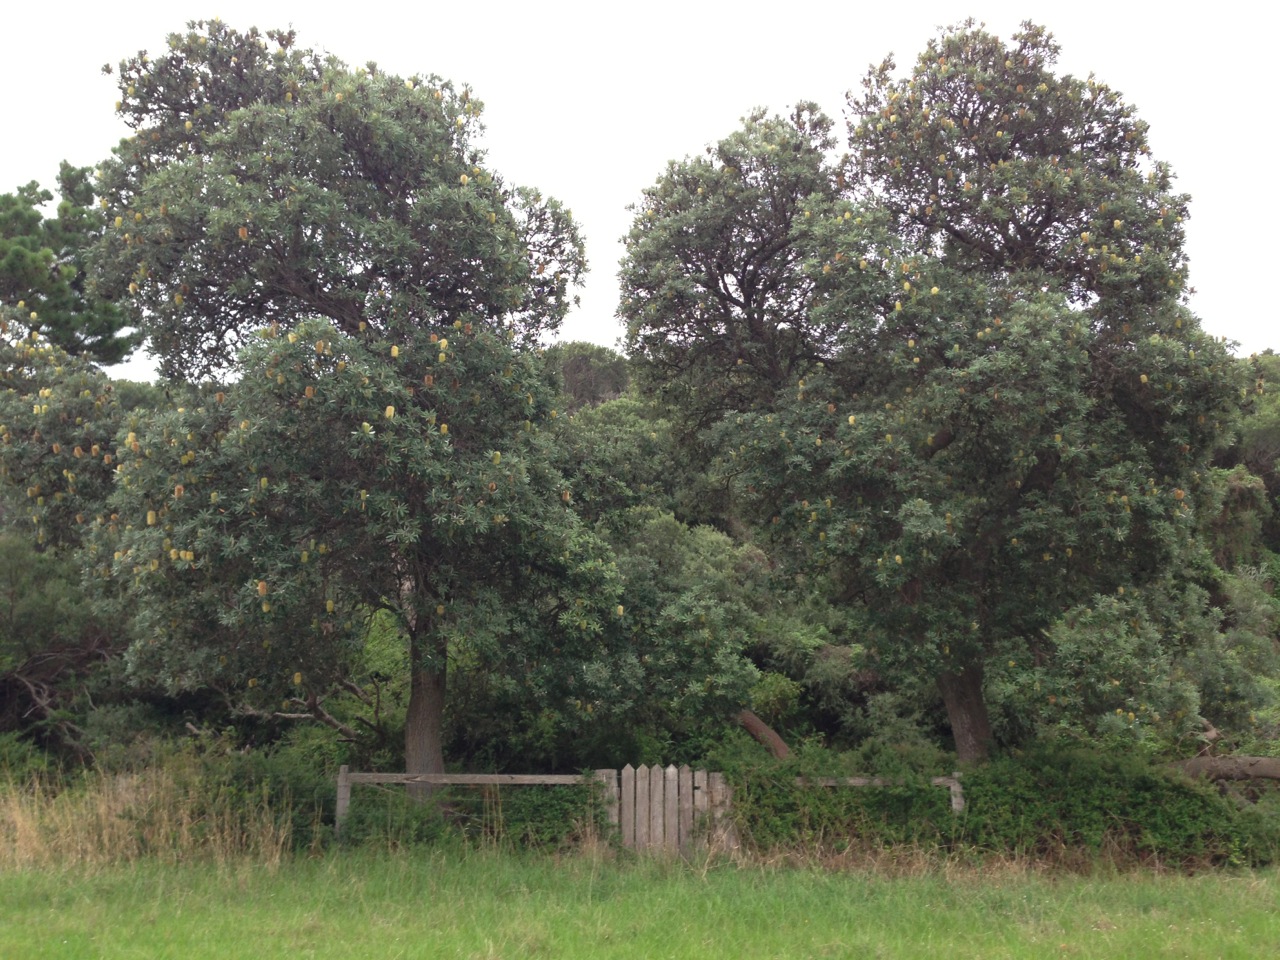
[[427, 903]]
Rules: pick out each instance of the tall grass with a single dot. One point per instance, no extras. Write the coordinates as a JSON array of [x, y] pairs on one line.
[[158, 814]]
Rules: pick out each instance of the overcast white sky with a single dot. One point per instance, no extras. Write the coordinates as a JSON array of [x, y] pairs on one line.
[[588, 101]]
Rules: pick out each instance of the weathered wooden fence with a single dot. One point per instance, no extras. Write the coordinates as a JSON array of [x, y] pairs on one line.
[[667, 809]]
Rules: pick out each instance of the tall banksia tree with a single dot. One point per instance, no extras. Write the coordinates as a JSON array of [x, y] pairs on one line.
[[379, 446], [999, 406]]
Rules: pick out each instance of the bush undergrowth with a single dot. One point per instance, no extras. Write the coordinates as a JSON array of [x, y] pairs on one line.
[[1069, 806]]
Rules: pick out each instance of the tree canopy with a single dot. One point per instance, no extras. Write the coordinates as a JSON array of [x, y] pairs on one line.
[[716, 298], [43, 267], [985, 156], [265, 184], [994, 406]]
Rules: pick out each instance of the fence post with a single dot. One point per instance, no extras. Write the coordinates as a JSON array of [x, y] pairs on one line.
[[609, 791], [344, 799], [720, 805]]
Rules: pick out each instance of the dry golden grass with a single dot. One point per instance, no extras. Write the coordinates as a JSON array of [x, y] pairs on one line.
[[105, 819]]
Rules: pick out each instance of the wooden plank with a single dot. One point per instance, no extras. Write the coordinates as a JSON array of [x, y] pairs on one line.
[[344, 799], [609, 794], [671, 809], [468, 779], [685, 815], [642, 808], [627, 806], [657, 783], [701, 806]]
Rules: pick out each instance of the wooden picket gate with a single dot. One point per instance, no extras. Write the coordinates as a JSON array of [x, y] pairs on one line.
[[671, 809]]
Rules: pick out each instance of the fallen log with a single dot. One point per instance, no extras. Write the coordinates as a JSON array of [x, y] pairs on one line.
[[764, 734], [1231, 768]]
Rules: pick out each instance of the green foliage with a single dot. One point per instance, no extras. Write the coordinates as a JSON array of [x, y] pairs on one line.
[[53, 645], [1236, 513], [622, 454], [716, 297], [987, 157], [21, 761], [257, 531], [43, 269], [57, 414], [1053, 803], [268, 184], [773, 811], [1051, 800], [58, 418], [555, 818], [544, 818], [954, 381], [620, 457], [694, 606], [390, 818], [673, 668], [41, 605], [591, 374], [382, 447], [1236, 674]]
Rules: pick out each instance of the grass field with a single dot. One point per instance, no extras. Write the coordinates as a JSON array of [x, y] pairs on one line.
[[428, 903]]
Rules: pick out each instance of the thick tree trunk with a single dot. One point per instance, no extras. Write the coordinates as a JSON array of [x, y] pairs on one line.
[[967, 711], [423, 725], [764, 734]]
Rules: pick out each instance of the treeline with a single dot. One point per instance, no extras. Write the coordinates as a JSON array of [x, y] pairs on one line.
[[917, 450]]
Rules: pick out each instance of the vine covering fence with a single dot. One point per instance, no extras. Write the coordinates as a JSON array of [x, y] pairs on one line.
[[666, 809]]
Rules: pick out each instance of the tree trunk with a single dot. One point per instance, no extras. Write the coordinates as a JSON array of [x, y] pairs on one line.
[[423, 734], [967, 711], [764, 734]]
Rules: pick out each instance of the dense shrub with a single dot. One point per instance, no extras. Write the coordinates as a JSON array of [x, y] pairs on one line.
[[1051, 800], [20, 760], [525, 817], [1067, 805]]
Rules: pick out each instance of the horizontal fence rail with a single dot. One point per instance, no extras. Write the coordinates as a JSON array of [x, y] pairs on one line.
[[346, 778], [952, 783], [666, 809]]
